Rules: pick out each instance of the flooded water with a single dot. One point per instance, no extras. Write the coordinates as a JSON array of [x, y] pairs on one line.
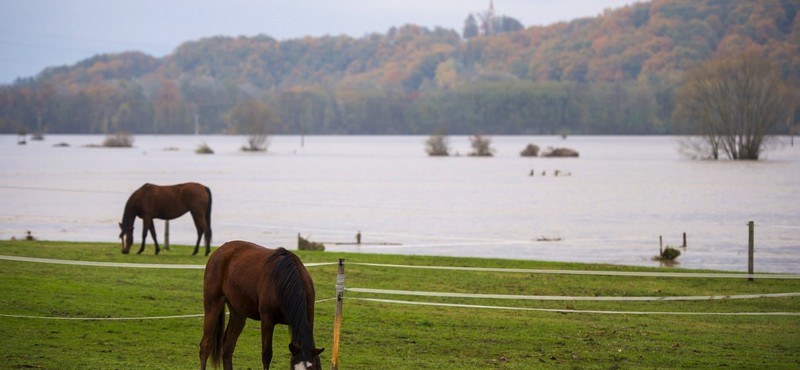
[[610, 205]]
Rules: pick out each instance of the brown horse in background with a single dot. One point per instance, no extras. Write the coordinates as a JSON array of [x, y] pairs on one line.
[[270, 285], [166, 203]]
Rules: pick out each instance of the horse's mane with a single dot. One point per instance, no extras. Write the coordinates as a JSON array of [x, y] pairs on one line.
[[293, 300]]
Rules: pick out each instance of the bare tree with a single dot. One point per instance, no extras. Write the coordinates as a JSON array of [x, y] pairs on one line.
[[254, 119], [729, 105]]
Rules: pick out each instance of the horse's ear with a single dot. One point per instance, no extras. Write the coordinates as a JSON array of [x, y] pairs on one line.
[[317, 351], [292, 348], [120, 225]]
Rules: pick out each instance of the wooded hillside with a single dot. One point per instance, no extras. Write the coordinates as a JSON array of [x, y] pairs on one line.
[[611, 74]]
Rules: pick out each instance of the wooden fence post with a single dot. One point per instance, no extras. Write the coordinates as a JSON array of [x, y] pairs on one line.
[[750, 226], [337, 320], [166, 235]]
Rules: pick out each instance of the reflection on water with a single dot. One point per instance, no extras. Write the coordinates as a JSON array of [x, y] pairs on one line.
[[621, 195]]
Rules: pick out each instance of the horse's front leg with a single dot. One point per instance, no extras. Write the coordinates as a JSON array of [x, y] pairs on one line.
[[144, 234], [267, 327], [153, 234]]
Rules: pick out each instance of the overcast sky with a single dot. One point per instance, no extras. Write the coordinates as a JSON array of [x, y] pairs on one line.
[[35, 34]]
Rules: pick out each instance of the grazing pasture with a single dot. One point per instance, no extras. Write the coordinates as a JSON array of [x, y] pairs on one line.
[[389, 335]]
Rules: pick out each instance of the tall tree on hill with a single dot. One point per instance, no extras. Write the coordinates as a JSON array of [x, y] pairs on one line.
[[470, 27], [731, 104]]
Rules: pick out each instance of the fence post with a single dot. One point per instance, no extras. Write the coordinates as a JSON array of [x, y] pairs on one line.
[[684, 240], [337, 320], [750, 251], [166, 235]]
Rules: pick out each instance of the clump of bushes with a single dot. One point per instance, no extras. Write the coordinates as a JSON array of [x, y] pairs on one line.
[[481, 146], [530, 151], [668, 254], [203, 149], [119, 140], [438, 145], [560, 152], [307, 245]]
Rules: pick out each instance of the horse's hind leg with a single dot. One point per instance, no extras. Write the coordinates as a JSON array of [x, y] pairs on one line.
[[208, 239], [202, 228], [235, 325], [213, 326], [197, 245]]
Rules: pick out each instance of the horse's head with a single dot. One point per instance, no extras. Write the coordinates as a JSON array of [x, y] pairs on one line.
[[126, 234], [298, 363]]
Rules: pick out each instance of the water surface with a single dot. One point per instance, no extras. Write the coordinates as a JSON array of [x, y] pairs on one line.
[[618, 198]]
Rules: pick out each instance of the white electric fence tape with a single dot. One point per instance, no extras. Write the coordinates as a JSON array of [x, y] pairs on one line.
[[121, 264], [578, 311], [569, 298], [455, 268], [601, 273], [118, 318]]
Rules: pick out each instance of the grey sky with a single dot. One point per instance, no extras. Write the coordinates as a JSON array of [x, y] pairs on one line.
[[35, 34]]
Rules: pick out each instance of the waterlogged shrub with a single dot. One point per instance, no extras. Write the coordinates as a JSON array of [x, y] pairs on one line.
[[203, 149], [119, 140], [481, 146], [559, 152], [530, 151], [307, 245], [668, 254], [437, 145]]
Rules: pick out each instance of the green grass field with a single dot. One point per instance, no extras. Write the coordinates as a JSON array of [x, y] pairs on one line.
[[389, 335]]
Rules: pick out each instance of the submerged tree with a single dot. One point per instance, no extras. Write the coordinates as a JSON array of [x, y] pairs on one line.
[[438, 145], [729, 105], [481, 146], [254, 119]]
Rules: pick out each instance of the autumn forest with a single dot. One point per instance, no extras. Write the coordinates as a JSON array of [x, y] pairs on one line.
[[616, 73]]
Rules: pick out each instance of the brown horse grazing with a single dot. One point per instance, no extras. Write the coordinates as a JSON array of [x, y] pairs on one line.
[[270, 285], [166, 203]]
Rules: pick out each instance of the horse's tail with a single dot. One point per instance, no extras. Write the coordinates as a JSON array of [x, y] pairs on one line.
[[286, 274], [216, 338], [208, 218]]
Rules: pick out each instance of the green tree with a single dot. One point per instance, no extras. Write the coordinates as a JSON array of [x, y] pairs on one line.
[[470, 27], [507, 24]]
